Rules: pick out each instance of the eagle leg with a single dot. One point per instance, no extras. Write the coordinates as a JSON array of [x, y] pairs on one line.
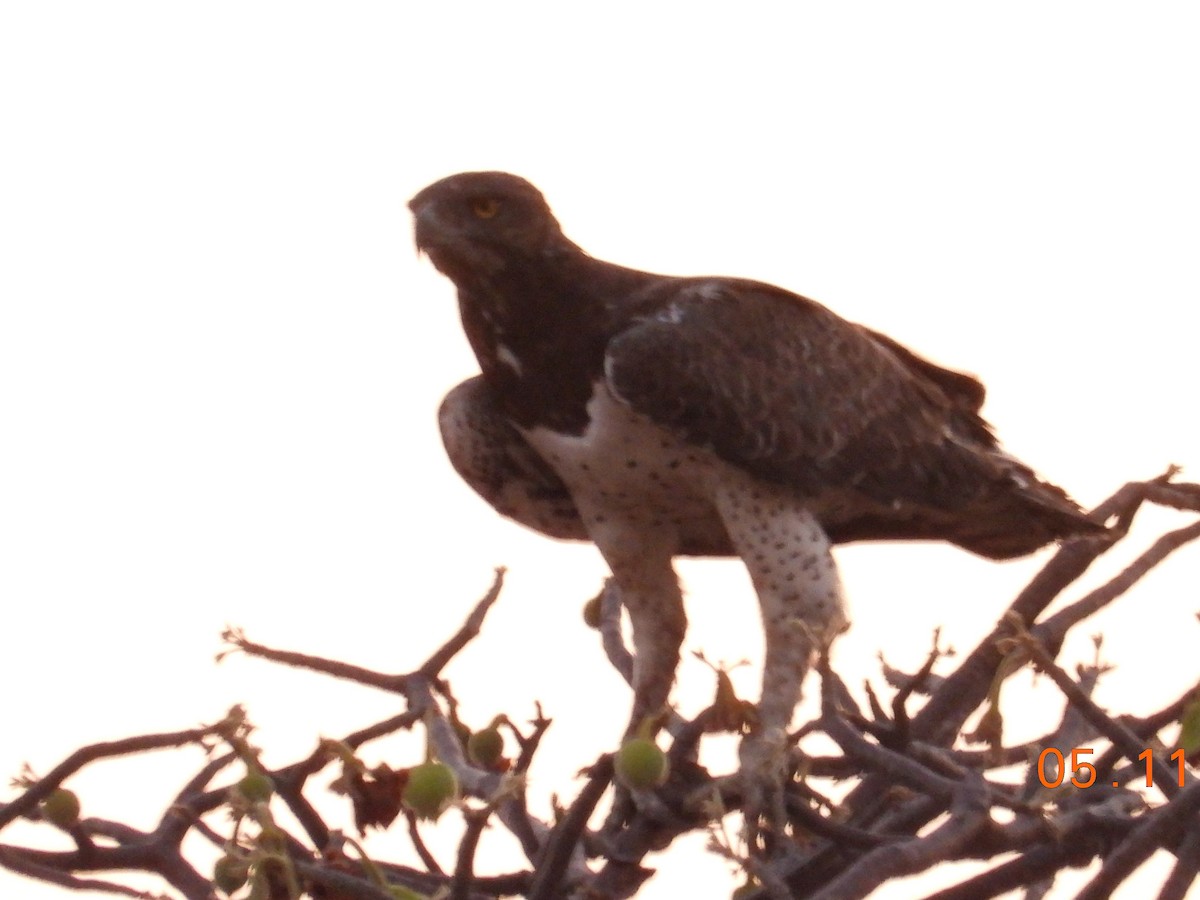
[[787, 554], [640, 560]]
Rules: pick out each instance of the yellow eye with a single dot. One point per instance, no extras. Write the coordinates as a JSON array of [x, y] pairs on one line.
[[485, 207]]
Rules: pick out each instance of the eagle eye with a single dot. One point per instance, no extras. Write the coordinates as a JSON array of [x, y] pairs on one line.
[[485, 207]]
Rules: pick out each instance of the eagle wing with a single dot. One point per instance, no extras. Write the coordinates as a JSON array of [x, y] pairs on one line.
[[780, 386]]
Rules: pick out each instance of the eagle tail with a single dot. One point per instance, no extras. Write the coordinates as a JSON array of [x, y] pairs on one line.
[[1021, 516]]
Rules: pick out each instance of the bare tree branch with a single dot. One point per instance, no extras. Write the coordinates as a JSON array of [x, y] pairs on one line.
[[897, 795]]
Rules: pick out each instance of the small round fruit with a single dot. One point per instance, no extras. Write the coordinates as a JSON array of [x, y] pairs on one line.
[[591, 611], [485, 747], [230, 872], [640, 764], [745, 890], [61, 808], [431, 787], [256, 787]]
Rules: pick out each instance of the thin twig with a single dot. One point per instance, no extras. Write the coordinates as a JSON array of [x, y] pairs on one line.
[[84, 755], [610, 631], [900, 701], [11, 858], [469, 630], [414, 835], [464, 869], [1154, 831], [335, 668], [964, 689], [1116, 732], [1054, 629], [530, 744], [565, 836], [1186, 869], [968, 816]]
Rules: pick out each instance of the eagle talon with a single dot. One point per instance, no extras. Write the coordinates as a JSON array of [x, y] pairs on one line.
[[764, 770]]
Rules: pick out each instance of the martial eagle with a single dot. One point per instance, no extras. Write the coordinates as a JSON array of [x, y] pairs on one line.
[[660, 416]]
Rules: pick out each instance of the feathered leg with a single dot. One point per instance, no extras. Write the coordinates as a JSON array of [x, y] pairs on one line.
[[650, 593], [788, 556]]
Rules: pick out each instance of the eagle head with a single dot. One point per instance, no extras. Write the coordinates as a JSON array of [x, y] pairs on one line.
[[476, 224]]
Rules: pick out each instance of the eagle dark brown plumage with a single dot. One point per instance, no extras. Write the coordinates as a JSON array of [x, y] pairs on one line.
[[660, 416]]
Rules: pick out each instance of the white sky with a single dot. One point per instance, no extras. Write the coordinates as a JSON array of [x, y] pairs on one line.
[[220, 358]]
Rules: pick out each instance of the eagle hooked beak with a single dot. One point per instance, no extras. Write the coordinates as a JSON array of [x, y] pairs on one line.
[[423, 222]]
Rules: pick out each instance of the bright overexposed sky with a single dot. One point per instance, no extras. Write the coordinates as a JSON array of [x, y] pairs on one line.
[[220, 357]]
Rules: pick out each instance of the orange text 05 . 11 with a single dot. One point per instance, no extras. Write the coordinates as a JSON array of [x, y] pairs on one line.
[[1085, 773]]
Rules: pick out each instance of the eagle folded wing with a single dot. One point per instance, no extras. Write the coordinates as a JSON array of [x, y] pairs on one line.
[[780, 386]]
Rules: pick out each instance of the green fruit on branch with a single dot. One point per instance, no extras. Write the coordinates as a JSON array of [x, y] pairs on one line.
[[230, 872], [591, 611], [431, 787], [256, 787], [640, 764], [485, 747], [61, 808]]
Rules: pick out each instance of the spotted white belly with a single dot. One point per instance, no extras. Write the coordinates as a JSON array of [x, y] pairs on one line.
[[624, 466], [643, 494]]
